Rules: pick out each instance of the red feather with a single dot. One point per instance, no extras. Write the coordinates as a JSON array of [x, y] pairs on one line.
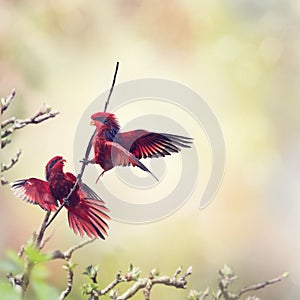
[[89, 216], [35, 191], [87, 213], [113, 148], [143, 144]]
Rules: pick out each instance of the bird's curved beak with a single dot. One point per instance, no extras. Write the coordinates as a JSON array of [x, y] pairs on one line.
[[92, 123], [63, 161]]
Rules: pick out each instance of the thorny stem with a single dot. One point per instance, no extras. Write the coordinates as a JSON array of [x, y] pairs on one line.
[[85, 160]]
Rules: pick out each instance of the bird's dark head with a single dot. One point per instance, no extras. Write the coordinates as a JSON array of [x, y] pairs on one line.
[[105, 122], [105, 118], [55, 163]]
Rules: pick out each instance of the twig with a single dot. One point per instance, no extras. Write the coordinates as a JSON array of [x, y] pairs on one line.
[[42, 115], [115, 282], [38, 238], [5, 102], [228, 276], [7, 122], [69, 267], [69, 287], [13, 161], [112, 87], [259, 286], [45, 241], [3, 180], [42, 230], [177, 272], [147, 283], [5, 142], [204, 295], [68, 253], [5, 167], [58, 210], [144, 284], [85, 160]]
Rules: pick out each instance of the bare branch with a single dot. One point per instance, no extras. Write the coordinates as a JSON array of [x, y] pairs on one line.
[[5, 102], [43, 114], [69, 267], [134, 289], [45, 241], [146, 284], [13, 161], [177, 272], [115, 282], [68, 253], [5, 142], [228, 276], [5, 167], [7, 122], [69, 287], [42, 230], [259, 285], [62, 205], [3, 180], [112, 87]]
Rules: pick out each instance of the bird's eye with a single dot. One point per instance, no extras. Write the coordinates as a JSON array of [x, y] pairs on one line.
[[53, 163], [102, 120]]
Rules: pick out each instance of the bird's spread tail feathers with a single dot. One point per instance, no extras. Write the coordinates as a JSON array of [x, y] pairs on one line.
[[90, 218]]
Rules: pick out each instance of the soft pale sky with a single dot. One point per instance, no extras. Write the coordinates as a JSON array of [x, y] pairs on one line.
[[242, 57]]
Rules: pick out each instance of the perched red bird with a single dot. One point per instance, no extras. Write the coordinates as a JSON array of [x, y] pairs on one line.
[[114, 148], [87, 213]]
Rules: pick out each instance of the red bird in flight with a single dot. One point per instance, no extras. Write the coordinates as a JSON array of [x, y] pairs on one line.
[[87, 213], [114, 148]]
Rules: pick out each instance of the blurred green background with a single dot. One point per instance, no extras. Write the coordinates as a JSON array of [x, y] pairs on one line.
[[242, 56]]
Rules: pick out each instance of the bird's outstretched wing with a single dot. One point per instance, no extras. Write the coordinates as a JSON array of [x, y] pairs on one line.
[[122, 157], [143, 143], [35, 191]]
